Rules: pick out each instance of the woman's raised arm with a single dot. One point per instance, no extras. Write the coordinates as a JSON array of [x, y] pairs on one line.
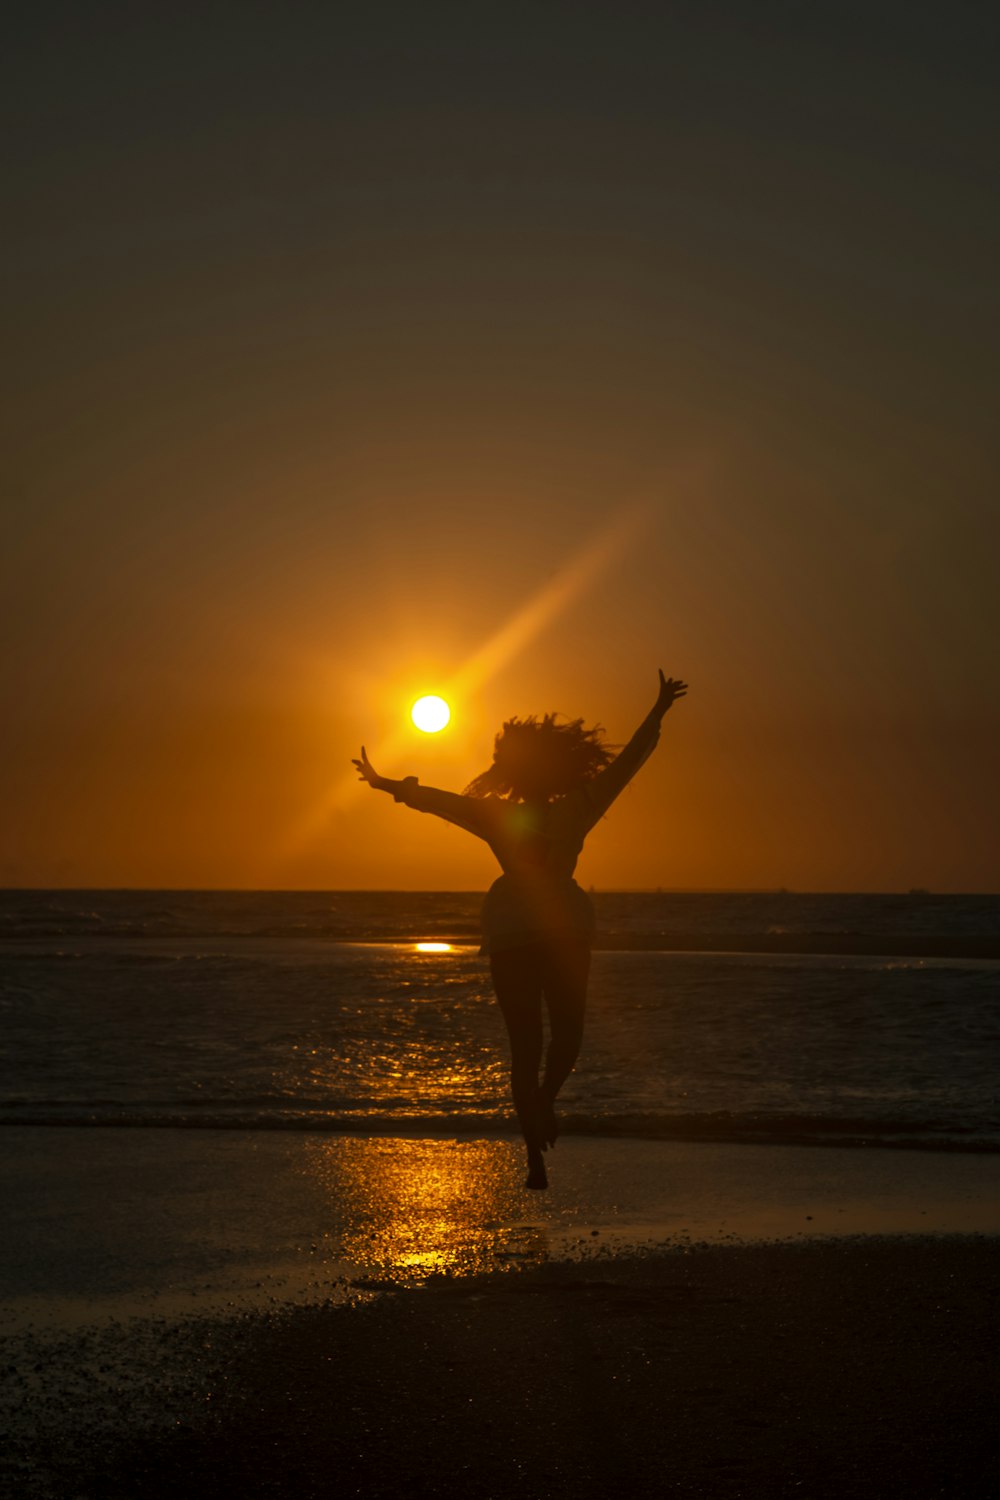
[[605, 787]]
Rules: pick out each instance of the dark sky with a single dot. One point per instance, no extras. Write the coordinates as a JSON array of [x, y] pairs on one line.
[[333, 337]]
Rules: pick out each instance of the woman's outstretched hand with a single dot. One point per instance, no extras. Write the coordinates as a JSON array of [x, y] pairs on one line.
[[367, 772], [670, 688]]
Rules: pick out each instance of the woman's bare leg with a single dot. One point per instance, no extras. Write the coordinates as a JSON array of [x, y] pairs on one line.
[[517, 979], [565, 978]]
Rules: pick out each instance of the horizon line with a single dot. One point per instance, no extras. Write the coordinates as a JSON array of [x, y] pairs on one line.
[[611, 890]]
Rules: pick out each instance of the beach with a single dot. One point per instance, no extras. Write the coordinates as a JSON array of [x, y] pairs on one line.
[[286, 1314], [268, 1234]]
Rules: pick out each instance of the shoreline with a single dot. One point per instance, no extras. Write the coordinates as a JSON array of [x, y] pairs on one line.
[[723, 1129]]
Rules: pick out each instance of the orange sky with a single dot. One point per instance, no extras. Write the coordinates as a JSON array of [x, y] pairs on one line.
[[336, 349]]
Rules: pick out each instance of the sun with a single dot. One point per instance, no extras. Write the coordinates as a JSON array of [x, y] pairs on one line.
[[430, 714]]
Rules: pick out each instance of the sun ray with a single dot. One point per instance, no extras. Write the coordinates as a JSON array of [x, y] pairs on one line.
[[551, 601]]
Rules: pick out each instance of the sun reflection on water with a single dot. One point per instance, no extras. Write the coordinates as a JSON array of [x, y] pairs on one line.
[[416, 1208], [434, 947]]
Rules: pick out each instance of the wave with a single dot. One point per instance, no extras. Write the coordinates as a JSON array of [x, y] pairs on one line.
[[152, 948], [721, 1126]]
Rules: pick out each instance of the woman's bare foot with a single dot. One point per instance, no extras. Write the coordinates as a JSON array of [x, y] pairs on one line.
[[536, 1169]]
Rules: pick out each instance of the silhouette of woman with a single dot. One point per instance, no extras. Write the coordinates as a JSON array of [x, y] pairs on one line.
[[548, 785]]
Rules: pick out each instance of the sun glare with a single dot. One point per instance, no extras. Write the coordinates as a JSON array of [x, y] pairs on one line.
[[430, 714]]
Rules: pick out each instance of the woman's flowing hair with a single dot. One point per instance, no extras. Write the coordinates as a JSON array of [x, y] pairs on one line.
[[538, 757]]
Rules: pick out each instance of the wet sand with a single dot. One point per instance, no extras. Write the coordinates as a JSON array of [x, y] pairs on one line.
[[456, 1337], [117, 1223]]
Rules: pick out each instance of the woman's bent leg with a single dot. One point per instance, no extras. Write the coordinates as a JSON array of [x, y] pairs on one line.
[[517, 979]]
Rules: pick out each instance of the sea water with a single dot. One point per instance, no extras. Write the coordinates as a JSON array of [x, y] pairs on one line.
[[373, 1012]]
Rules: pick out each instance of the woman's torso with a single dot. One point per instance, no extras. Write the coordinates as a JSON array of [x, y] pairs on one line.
[[537, 846]]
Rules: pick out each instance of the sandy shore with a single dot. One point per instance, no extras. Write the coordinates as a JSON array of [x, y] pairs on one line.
[[826, 1369], [305, 1317]]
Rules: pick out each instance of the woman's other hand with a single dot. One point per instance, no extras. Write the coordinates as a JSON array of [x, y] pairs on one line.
[[670, 688], [367, 772]]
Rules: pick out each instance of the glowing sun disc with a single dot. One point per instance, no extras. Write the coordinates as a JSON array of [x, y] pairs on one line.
[[430, 714]]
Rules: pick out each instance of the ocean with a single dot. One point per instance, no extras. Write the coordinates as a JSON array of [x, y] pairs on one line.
[[766, 1017]]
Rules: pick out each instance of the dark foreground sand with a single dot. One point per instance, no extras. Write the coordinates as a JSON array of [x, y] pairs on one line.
[[852, 1367]]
